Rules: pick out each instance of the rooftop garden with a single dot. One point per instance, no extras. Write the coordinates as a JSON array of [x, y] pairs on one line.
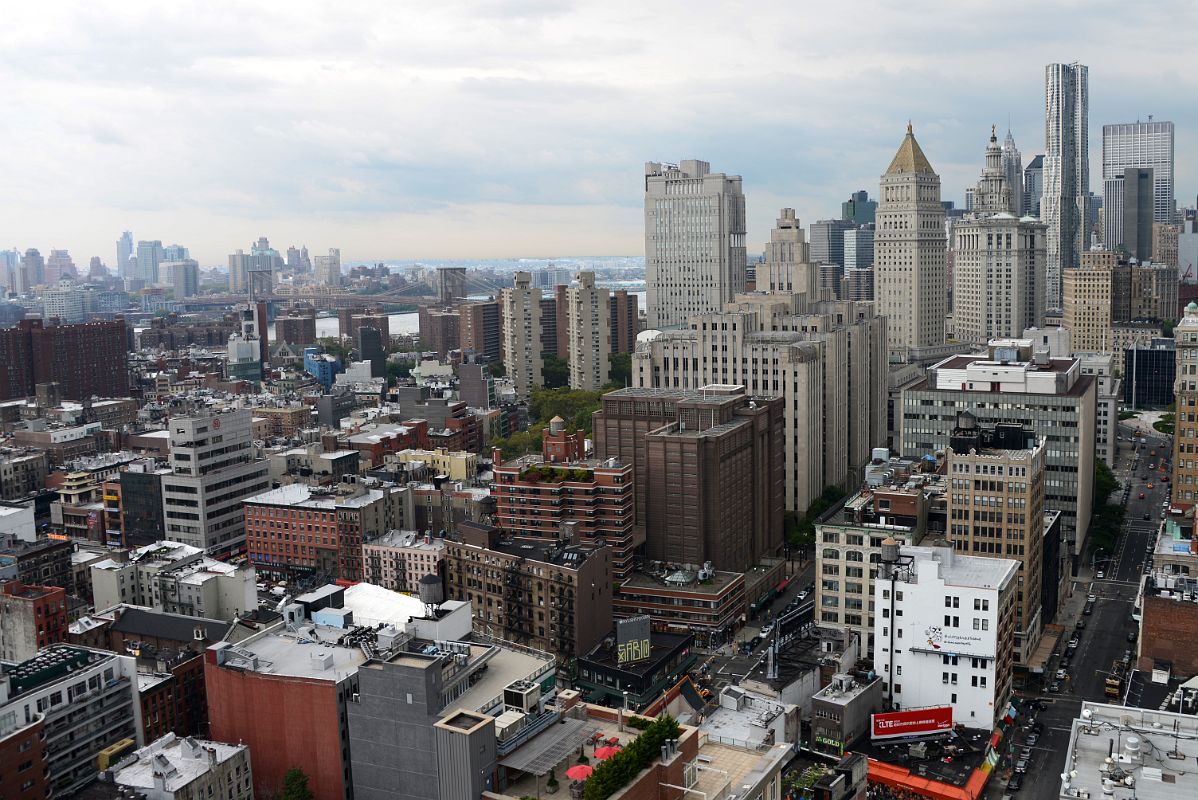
[[618, 771], [546, 474]]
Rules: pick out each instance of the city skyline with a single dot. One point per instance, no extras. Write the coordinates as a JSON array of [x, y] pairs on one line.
[[387, 135]]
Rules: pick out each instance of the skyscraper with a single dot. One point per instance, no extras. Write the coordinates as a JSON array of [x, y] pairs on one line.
[[1065, 206], [522, 335], [175, 252], [1012, 167], [149, 257], [998, 268], [588, 329], [1033, 186], [910, 270], [859, 248], [826, 239], [35, 268], [1144, 145], [859, 209], [787, 265], [1128, 212], [694, 241], [124, 251], [328, 268]]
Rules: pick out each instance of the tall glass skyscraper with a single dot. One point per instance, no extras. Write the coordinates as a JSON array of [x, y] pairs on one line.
[[1143, 145], [1065, 206]]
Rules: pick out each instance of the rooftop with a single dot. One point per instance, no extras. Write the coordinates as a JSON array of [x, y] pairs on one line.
[[179, 761], [373, 604], [572, 556], [957, 569], [303, 496], [1133, 753], [311, 651], [910, 157], [679, 577], [411, 539], [742, 715], [146, 622]]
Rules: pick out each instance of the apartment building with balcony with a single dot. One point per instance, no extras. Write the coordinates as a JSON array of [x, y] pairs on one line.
[[534, 498]]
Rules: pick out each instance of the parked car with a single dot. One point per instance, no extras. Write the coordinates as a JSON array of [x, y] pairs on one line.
[[1081, 625], [1035, 737], [1015, 783], [1088, 610], [1131, 636], [1020, 766], [1038, 727], [1054, 688], [802, 594], [1061, 674], [1100, 574], [767, 628]]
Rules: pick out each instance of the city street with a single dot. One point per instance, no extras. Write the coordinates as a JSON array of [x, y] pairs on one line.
[[1104, 638]]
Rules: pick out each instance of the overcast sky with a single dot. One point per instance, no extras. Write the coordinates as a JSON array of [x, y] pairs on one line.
[[470, 129]]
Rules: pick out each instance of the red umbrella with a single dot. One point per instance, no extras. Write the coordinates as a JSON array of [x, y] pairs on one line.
[[606, 752], [579, 772]]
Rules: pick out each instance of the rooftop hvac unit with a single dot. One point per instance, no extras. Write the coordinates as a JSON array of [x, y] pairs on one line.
[[522, 696]]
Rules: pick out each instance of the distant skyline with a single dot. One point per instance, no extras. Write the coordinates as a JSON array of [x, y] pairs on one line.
[[503, 129]]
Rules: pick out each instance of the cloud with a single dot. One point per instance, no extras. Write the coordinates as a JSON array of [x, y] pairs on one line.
[[482, 128]]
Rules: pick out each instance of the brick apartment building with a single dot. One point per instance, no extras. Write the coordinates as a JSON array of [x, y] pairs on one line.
[[533, 498], [31, 617], [555, 595], [86, 360]]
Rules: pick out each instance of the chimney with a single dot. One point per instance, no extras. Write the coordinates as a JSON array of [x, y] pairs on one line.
[[497, 456]]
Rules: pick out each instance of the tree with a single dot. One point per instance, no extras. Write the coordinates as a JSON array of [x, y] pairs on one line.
[[334, 347], [1167, 328], [556, 372], [575, 406], [620, 369], [498, 369], [295, 786], [800, 532], [397, 370], [1105, 483]]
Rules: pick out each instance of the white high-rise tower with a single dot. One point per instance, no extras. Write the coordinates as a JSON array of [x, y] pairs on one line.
[[910, 267], [694, 241], [1065, 206], [1142, 145]]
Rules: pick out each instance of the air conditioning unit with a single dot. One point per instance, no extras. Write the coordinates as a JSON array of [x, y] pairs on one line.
[[522, 696]]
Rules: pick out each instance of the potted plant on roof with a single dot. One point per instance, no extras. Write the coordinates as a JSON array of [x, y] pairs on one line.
[[551, 784]]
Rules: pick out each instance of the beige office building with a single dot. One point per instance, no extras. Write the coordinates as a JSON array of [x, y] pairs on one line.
[[996, 510], [588, 327], [1111, 304], [998, 262], [694, 241], [826, 359], [910, 267], [787, 266], [522, 335]]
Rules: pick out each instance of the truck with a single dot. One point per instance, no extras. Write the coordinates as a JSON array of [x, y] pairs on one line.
[[1115, 678]]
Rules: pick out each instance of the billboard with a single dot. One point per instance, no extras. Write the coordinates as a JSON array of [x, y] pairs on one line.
[[632, 639], [924, 721]]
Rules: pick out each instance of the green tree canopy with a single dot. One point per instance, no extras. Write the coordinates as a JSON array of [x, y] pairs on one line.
[[295, 786], [556, 372], [620, 369]]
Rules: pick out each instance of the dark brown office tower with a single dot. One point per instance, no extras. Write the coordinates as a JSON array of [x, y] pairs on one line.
[[262, 316], [481, 329], [624, 321], [297, 326], [440, 329], [85, 360], [549, 326], [708, 467]]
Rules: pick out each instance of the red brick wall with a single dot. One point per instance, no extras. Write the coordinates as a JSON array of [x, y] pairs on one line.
[[286, 722], [1168, 634], [12, 757]]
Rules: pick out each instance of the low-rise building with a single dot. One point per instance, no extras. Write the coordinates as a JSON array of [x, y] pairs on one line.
[[298, 529], [459, 465], [22, 470], [707, 602], [1117, 751], [553, 595], [1169, 616], [183, 768], [397, 560], [31, 617], [945, 631], [135, 580], [604, 676], [840, 712]]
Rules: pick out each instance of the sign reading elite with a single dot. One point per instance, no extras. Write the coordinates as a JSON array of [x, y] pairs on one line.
[[632, 639], [921, 722]]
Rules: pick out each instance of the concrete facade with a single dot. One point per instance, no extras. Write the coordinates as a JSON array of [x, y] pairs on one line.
[[694, 241], [522, 335], [910, 271], [588, 329]]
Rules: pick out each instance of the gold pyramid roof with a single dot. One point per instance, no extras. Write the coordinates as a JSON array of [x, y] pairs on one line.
[[909, 157]]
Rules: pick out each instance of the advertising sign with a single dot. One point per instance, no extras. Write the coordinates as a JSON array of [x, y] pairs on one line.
[[921, 722], [632, 639]]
